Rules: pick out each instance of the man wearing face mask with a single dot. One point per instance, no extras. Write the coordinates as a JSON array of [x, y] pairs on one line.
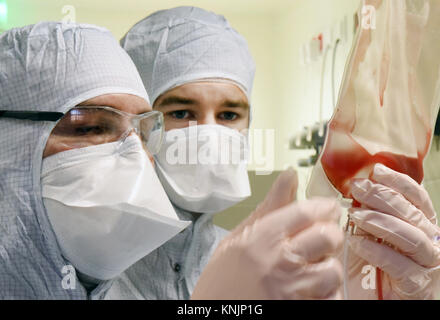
[[79, 198], [198, 69]]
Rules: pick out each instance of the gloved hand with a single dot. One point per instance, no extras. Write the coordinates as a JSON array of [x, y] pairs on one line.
[[398, 210], [281, 251]]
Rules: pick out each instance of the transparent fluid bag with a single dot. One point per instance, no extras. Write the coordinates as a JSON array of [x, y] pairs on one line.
[[389, 97]]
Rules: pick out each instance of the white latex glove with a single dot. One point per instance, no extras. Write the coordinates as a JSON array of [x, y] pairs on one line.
[[398, 210], [281, 251]]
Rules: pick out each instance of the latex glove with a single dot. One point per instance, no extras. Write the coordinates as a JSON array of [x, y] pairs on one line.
[[398, 210], [281, 251]]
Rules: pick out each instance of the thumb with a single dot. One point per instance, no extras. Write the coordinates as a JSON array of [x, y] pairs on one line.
[[282, 193]]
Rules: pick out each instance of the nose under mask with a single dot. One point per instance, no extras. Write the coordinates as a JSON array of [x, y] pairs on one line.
[[204, 168], [107, 206]]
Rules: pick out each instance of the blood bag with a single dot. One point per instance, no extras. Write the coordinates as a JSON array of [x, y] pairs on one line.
[[389, 96]]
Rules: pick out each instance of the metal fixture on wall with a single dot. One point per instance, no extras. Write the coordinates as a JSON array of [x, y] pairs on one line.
[[310, 138]]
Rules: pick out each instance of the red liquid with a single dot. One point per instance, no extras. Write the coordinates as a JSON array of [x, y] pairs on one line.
[[354, 161], [342, 166]]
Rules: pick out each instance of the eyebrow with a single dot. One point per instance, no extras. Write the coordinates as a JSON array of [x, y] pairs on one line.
[[186, 101], [176, 100], [235, 104]]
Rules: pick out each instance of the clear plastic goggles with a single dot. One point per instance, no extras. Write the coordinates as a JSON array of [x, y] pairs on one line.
[[84, 126]]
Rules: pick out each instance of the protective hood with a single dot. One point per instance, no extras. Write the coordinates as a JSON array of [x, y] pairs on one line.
[[49, 66], [186, 44]]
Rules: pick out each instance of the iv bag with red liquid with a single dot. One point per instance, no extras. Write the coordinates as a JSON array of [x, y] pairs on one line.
[[389, 97]]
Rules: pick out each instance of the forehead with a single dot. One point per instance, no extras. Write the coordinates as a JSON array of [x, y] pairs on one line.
[[206, 92], [121, 101]]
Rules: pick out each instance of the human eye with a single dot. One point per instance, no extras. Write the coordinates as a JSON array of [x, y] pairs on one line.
[[97, 123], [180, 114], [228, 116], [90, 129]]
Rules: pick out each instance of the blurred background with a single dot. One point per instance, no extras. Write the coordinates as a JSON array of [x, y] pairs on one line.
[[300, 48]]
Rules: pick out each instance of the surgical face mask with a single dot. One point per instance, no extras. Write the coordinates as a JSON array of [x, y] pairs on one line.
[[107, 206], [204, 168]]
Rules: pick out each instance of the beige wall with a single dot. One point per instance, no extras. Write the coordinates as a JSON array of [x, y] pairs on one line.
[[432, 174]]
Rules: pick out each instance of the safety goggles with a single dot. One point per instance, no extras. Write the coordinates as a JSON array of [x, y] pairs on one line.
[[85, 126]]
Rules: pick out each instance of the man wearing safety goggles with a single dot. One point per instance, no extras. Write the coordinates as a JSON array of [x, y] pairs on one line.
[[79, 198]]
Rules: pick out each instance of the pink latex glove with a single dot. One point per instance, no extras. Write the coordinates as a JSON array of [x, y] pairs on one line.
[[281, 251], [398, 210]]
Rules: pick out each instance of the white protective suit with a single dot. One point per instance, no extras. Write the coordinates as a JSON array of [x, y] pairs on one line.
[[49, 66]]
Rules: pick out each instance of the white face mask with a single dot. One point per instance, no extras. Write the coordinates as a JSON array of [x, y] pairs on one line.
[[204, 168], [107, 206]]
